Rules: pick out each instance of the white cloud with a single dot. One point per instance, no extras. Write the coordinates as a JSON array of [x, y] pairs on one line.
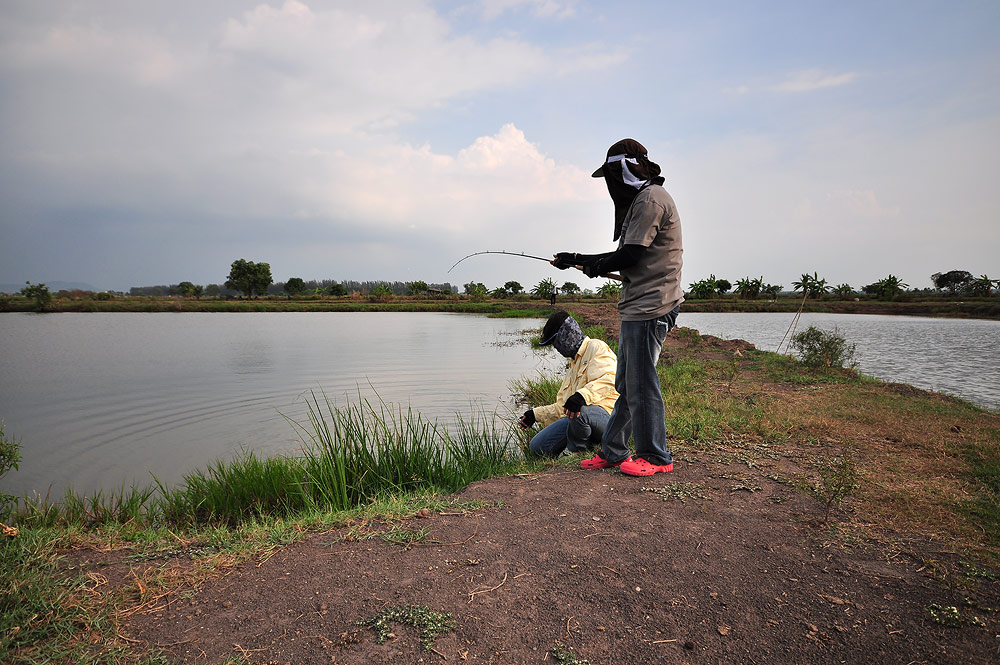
[[491, 9], [813, 79], [862, 204], [498, 179]]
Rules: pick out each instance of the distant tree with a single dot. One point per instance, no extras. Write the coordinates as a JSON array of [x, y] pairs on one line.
[[749, 289], [981, 286], [772, 290], [886, 289], [249, 277], [513, 287], [953, 281], [610, 290], [416, 288], [703, 289], [476, 289], [892, 286], [811, 285], [382, 292], [213, 290], [295, 286], [843, 291], [337, 290], [39, 293], [569, 288], [185, 289], [723, 286], [544, 288]]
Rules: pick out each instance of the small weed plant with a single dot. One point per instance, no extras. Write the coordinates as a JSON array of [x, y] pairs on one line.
[[428, 623], [838, 480], [564, 656]]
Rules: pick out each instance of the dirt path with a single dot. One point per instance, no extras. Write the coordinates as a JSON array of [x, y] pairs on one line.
[[741, 571]]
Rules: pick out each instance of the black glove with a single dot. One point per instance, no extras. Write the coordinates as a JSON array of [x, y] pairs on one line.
[[564, 260], [528, 419], [575, 403], [594, 268]]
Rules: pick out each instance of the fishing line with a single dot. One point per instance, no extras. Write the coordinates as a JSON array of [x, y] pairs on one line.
[[790, 333]]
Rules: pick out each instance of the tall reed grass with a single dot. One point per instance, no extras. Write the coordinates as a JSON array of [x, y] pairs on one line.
[[350, 455]]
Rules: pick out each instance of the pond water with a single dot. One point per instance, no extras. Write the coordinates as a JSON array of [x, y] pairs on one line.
[[955, 356], [98, 400]]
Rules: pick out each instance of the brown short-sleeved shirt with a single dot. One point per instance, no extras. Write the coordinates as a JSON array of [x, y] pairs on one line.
[[652, 287]]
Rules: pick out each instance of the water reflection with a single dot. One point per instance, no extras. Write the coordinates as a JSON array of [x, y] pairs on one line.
[[101, 399]]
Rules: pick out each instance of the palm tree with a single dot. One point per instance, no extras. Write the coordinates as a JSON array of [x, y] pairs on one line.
[[610, 290], [703, 289], [983, 286], [843, 291], [544, 288], [749, 289], [890, 287], [772, 291], [811, 285]]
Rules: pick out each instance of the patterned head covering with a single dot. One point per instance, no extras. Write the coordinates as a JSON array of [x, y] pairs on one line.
[[563, 332], [626, 171]]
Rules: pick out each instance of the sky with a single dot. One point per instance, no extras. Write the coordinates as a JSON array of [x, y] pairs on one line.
[[156, 142]]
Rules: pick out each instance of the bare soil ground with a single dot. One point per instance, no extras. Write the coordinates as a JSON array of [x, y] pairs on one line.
[[602, 563], [721, 561]]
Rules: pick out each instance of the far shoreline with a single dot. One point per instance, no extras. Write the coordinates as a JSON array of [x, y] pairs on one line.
[[511, 307]]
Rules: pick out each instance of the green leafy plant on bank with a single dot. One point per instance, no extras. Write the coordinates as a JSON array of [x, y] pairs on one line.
[[820, 348], [10, 457]]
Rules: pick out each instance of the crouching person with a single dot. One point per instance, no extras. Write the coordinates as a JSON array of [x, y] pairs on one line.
[[579, 416]]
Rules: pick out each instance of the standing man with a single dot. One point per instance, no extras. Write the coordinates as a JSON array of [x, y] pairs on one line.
[[648, 232], [577, 419]]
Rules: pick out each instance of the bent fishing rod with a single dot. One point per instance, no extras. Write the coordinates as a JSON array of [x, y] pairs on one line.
[[613, 276]]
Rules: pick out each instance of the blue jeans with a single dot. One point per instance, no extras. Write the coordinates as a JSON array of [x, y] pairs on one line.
[[571, 434], [639, 411]]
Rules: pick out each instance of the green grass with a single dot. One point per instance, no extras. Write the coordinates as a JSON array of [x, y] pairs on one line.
[[350, 456], [984, 472], [38, 604]]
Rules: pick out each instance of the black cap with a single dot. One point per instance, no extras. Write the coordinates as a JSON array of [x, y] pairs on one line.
[[627, 147], [552, 327]]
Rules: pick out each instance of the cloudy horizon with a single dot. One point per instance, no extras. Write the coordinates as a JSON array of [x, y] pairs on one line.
[[154, 143]]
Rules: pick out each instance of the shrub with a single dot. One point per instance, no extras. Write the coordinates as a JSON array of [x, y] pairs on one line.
[[39, 293], [819, 348], [10, 456]]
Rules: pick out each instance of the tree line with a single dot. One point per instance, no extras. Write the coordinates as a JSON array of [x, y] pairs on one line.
[[955, 282], [250, 279]]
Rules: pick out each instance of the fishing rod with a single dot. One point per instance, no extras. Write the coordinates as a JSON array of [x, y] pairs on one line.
[[613, 276]]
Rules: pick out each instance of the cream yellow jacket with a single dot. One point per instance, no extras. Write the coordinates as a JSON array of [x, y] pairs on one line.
[[592, 374]]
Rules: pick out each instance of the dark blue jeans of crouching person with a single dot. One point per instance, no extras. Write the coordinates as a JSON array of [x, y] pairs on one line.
[[572, 434], [639, 409]]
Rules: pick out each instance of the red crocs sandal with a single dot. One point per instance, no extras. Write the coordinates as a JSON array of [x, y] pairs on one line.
[[598, 462], [640, 467]]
